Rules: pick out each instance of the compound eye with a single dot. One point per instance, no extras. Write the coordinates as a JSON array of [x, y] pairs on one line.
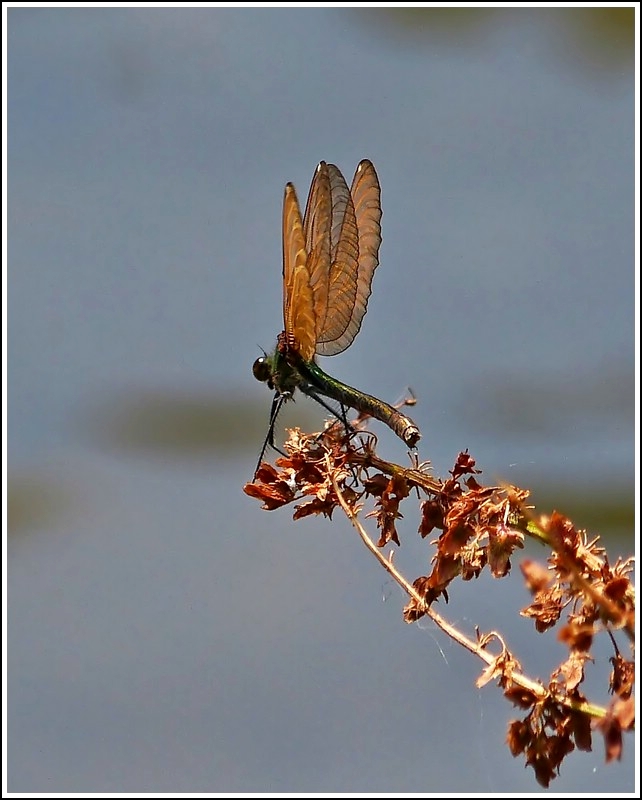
[[261, 369]]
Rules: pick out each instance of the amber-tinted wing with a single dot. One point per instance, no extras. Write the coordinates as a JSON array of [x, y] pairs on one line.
[[329, 259], [298, 310], [317, 229], [355, 237]]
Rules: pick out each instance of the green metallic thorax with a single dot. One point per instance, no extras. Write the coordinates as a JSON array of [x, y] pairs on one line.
[[284, 378]]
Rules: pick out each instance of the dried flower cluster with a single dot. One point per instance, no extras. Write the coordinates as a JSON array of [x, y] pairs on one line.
[[479, 528]]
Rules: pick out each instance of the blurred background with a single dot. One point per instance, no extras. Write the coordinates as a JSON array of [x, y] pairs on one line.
[[165, 633]]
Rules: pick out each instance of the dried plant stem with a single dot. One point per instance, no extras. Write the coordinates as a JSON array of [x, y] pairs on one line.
[[480, 528]]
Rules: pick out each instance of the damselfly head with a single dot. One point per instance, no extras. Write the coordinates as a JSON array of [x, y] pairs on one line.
[[262, 372]]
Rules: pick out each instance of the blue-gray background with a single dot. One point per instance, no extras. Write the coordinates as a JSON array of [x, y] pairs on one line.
[[165, 633]]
